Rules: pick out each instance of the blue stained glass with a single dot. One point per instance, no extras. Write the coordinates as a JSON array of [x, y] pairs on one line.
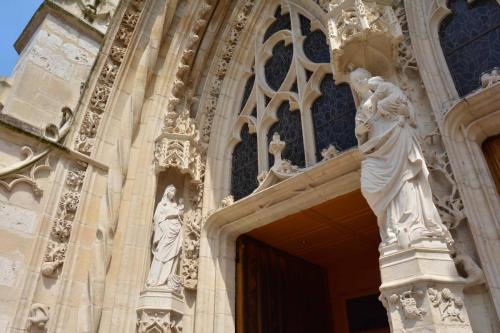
[[254, 112], [276, 67], [267, 99], [333, 116], [308, 74], [282, 22], [244, 165], [289, 127], [470, 38], [247, 91], [315, 46]]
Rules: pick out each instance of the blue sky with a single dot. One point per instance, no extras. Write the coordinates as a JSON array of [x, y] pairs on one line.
[[14, 15]]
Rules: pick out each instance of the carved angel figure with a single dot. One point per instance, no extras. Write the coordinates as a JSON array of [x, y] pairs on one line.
[[394, 177], [167, 239]]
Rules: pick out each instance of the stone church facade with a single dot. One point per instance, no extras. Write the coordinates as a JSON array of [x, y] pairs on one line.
[[214, 166]]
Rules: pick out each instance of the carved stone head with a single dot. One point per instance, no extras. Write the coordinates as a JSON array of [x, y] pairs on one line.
[[170, 193], [359, 81]]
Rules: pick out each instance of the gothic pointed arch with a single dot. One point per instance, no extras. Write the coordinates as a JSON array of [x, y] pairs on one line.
[[286, 86]]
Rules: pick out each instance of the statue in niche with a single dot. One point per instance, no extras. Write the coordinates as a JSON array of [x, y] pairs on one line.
[[167, 240], [394, 176]]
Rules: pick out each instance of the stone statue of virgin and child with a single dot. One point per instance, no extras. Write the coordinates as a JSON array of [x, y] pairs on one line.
[[167, 241], [394, 176]]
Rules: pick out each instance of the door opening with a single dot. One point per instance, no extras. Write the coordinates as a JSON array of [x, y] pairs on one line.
[[314, 271]]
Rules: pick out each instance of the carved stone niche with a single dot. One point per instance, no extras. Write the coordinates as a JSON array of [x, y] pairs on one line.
[[177, 151], [363, 34], [177, 147]]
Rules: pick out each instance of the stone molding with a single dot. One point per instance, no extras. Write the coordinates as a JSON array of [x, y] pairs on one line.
[[55, 252], [25, 171], [233, 34]]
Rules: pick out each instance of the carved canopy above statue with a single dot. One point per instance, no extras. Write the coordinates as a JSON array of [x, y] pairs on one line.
[[177, 147]]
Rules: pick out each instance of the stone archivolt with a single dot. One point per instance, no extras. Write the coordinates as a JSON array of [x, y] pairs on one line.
[[55, 253], [85, 139], [233, 36]]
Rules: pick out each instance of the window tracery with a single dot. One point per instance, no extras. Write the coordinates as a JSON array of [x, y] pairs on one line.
[[291, 92], [470, 39]]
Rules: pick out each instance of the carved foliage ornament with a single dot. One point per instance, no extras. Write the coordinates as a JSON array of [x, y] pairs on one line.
[[232, 38], [61, 228], [85, 139], [450, 306], [55, 252], [408, 303]]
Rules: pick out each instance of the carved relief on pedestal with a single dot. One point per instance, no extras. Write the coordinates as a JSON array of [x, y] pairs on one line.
[[409, 303], [450, 306], [158, 321]]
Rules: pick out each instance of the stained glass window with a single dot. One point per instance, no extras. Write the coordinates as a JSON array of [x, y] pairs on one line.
[[289, 127], [315, 46], [282, 22], [470, 38], [333, 116], [244, 165], [288, 75], [278, 65]]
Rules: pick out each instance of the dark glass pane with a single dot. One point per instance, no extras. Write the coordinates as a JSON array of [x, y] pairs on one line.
[[267, 99], [294, 87], [470, 39], [254, 112], [333, 116], [282, 22], [244, 165], [276, 68], [247, 91], [305, 25], [315, 46], [308, 74], [289, 127], [365, 314]]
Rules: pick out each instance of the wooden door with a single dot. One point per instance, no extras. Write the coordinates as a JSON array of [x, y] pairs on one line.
[[279, 293]]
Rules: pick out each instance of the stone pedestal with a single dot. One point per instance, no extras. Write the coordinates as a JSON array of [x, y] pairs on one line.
[[159, 311], [421, 288]]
